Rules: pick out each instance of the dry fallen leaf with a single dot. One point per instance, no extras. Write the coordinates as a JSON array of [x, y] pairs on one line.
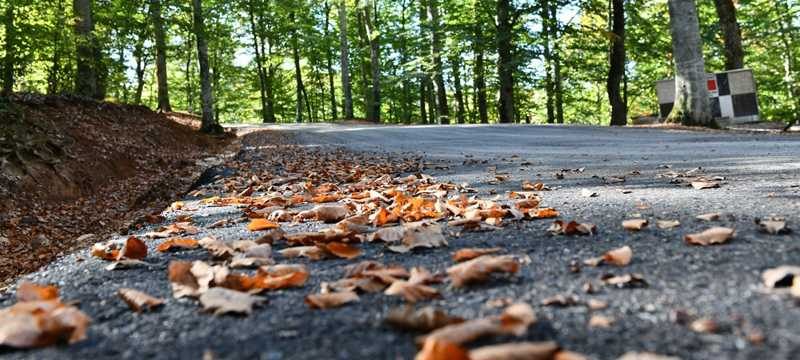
[[441, 350], [218, 249], [709, 217], [625, 281], [139, 301], [571, 228], [561, 300], [425, 319], [774, 226], [481, 268], [618, 257], [514, 320], [330, 300], [471, 253], [28, 291], [131, 248], [600, 321], [634, 224], [388, 234], [418, 235], [341, 250], [280, 277], [411, 291], [325, 213], [226, 301], [40, 323], [781, 276], [704, 325], [262, 224], [700, 185], [667, 224], [713, 236], [632, 355], [516, 351], [177, 244]]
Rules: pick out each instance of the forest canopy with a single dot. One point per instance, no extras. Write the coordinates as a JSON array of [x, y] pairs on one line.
[[406, 61]]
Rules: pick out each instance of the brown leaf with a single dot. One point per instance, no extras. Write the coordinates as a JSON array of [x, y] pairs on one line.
[[183, 282], [667, 224], [139, 301], [412, 292], [634, 224], [471, 253], [131, 248], [712, 236], [625, 281], [262, 224], [561, 300], [703, 184], [600, 321], [341, 250], [704, 325], [40, 323], [780, 277], [618, 257], [325, 213], [280, 277], [441, 350], [481, 268], [773, 226], [709, 217], [388, 234], [420, 235], [632, 355], [28, 291], [571, 228], [330, 300], [226, 301], [177, 244], [514, 320], [425, 319], [216, 248], [545, 213], [516, 351]]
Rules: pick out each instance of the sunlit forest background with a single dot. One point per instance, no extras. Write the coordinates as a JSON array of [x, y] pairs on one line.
[[560, 55]]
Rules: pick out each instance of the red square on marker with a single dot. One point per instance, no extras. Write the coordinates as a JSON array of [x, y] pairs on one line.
[[712, 85]]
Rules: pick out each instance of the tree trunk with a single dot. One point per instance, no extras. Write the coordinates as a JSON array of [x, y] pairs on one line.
[[209, 123], [423, 97], [262, 78], [86, 82], [54, 73], [347, 90], [8, 62], [161, 56], [731, 34], [455, 62], [141, 68], [616, 70], [298, 75], [558, 83], [438, 67], [505, 66], [479, 80], [188, 72], [329, 58], [789, 60], [406, 92], [373, 37], [692, 105], [548, 61]]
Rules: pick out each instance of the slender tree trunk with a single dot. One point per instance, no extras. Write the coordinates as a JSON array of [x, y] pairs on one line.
[[455, 62], [209, 123], [86, 79], [438, 67], [298, 75], [406, 92], [347, 89], [189, 72], [329, 58], [558, 84], [161, 56], [141, 68], [692, 105], [423, 97], [373, 37], [54, 73], [731, 34], [10, 39], [479, 80], [616, 70], [262, 78], [548, 61], [505, 66]]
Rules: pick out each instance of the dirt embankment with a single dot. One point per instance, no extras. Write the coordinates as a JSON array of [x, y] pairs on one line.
[[72, 167]]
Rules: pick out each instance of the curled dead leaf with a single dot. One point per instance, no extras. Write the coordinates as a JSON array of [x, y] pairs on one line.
[[425, 319], [516, 351], [545, 213], [139, 301], [774, 226], [667, 224], [781, 276], [713, 236], [226, 301], [514, 320], [600, 321], [709, 217], [417, 235], [330, 300], [38, 323], [625, 281], [632, 355], [471, 253], [702, 184], [262, 224], [412, 292], [325, 213], [634, 224], [481, 268], [571, 228], [28, 291], [177, 244], [619, 257]]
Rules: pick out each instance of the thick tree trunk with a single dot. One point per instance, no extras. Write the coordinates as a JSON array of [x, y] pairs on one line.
[[616, 70], [373, 36], [8, 62], [438, 67], [505, 64], [329, 58], [298, 74], [209, 123], [731, 34], [423, 97], [347, 89], [86, 80], [161, 56], [455, 62], [691, 93], [548, 61], [479, 80]]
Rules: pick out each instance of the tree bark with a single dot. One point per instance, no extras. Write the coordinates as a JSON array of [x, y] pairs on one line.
[[407, 101], [616, 70], [692, 106], [558, 83], [548, 61], [731, 34], [438, 67], [10, 38], [209, 123], [505, 66], [479, 80], [329, 58], [54, 73], [455, 62], [347, 89], [86, 79], [298, 75], [141, 67], [262, 77], [373, 36], [161, 56]]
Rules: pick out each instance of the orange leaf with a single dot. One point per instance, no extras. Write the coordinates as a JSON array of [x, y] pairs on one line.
[[28, 291], [545, 213], [342, 250], [133, 249], [434, 349], [330, 300], [262, 224], [471, 253], [177, 244]]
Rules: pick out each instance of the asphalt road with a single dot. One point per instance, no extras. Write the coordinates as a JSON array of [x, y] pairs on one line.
[[762, 178]]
